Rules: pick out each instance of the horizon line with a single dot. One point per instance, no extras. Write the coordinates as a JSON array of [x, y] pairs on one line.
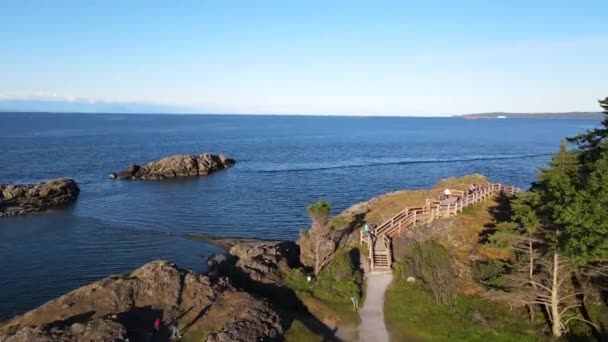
[[5, 111]]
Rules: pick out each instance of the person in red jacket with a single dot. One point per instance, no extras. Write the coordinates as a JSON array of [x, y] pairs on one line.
[[157, 324]]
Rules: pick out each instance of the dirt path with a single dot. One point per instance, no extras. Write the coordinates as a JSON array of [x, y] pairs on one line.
[[372, 326]]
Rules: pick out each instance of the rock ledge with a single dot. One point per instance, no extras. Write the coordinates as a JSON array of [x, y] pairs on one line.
[[125, 306], [176, 166], [22, 199]]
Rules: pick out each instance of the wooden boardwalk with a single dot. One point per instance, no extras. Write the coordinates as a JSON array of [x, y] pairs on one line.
[[380, 252]]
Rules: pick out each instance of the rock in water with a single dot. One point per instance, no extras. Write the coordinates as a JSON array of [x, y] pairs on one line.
[[176, 166], [22, 199], [125, 306]]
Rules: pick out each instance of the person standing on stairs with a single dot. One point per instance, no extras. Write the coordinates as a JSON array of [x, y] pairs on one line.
[[373, 235]]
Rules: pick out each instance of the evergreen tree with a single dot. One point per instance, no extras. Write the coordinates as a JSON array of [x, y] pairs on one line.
[[555, 191], [590, 142], [584, 219], [560, 227]]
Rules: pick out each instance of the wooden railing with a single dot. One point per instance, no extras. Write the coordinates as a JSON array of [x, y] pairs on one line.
[[433, 209]]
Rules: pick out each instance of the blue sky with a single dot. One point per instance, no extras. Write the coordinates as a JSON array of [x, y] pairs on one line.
[[309, 57]]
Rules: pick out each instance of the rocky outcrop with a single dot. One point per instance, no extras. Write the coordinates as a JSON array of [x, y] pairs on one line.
[[176, 166], [126, 306], [94, 330], [266, 262], [35, 198]]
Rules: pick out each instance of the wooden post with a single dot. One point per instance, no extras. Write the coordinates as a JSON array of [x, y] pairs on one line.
[[370, 244], [388, 254]]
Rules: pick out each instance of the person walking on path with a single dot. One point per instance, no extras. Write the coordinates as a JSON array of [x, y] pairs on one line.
[[472, 188], [447, 193], [175, 329]]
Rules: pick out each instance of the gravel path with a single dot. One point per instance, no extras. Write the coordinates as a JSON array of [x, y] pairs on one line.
[[372, 326]]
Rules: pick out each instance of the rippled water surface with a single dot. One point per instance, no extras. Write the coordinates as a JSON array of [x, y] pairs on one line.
[[283, 163]]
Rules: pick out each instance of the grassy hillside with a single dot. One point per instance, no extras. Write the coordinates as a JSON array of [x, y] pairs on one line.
[[411, 309], [411, 313]]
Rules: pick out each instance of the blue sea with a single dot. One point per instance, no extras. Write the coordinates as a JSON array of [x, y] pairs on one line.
[[283, 163]]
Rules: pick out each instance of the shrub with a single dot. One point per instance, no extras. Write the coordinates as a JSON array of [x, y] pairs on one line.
[[431, 263], [341, 278], [491, 273]]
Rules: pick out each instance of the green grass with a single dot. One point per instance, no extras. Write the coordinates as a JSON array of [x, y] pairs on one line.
[[320, 303], [411, 311], [598, 312], [298, 332], [328, 296], [469, 210], [581, 331]]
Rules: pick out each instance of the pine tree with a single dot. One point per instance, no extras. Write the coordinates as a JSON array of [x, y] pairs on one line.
[[556, 190], [584, 219], [317, 245], [590, 142]]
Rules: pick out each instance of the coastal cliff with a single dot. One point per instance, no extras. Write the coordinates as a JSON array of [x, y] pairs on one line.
[[124, 307], [22, 199], [176, 166]]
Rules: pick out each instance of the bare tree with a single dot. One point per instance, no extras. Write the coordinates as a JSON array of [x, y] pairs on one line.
[[549, 286], [526, 250]]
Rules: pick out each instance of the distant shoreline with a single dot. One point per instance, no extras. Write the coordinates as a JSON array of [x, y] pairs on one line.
[[565, 115], [494, 115]]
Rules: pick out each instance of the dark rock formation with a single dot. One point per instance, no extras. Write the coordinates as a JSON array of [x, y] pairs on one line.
[[126, 306], [176, 166], [94, 330], [258, 267], [35, 198], [266, 262]]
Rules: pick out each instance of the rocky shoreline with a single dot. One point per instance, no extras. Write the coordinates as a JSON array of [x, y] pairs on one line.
[[23, 199], [176, 166], [240, 298], [244, 296], [124, 307]]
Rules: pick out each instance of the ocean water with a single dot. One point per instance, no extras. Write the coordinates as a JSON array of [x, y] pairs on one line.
[[283, 163]]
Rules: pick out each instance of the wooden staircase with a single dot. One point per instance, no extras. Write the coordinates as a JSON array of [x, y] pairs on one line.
[[379, 244], [380, 254]]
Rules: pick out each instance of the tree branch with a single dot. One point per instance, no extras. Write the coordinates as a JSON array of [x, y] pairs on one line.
[[564, 310], [581, 319]]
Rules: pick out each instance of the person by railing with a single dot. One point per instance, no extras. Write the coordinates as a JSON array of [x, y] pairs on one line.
[[446, 194]]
